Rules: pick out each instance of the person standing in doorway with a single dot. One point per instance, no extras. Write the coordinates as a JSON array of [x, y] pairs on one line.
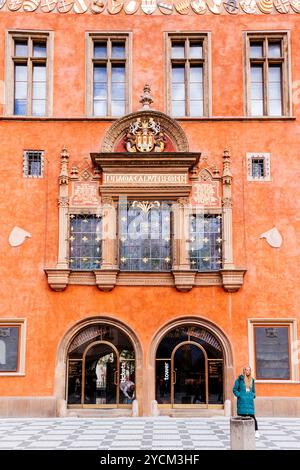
[[244, 390]]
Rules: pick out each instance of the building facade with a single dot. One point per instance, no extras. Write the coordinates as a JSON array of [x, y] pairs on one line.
[[149, 206]]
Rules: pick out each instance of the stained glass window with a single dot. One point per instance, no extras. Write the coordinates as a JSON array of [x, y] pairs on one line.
[[206, 242], [145, 236], [85, 241]]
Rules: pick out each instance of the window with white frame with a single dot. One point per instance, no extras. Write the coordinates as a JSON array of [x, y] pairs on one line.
[[108, 74], [28, 74], [33, 163], [267, 74], [258, 166], [272, 349], [12, 346]]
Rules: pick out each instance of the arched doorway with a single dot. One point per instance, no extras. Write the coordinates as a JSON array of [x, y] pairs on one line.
[[101, 368], [189, 368]]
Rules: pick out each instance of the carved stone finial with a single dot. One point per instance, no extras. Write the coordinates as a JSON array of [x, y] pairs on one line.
[[227, 175], [64, 160], [146, 98]]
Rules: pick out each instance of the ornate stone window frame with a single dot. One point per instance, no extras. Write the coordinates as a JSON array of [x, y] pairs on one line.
[[266, 157], [11, 36], [22, 324], [291, 323], [179, 162]]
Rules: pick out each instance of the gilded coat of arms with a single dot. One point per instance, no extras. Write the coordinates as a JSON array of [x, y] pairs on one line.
[[145, 136]]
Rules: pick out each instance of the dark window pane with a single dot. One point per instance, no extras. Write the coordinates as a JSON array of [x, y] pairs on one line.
[[258, 168], [272, 352], [163, 381]]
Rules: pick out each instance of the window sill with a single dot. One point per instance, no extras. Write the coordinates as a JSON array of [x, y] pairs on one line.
[[112, 119], [183, 279], [276, 381]]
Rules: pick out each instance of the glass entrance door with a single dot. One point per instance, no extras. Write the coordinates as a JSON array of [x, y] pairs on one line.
[[101, 375], [189, 371]]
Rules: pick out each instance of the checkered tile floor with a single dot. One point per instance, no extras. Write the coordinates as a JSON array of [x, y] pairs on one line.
[[140, 433]]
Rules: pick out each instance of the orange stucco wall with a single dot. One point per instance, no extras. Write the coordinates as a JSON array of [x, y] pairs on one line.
[[271, 288]]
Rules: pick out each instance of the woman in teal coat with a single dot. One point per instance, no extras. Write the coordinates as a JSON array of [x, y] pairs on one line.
[[244, 390]]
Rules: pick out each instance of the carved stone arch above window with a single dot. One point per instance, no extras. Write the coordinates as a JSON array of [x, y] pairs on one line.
[[145, 162], [176, 138]]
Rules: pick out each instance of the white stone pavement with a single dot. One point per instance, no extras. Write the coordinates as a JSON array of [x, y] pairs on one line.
[[161, 433]]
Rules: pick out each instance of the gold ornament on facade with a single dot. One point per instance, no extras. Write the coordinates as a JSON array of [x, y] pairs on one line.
[[145, 135], [145, 206]]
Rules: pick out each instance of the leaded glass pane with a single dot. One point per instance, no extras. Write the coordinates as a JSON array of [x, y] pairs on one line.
[[145, 237], [85, 241], [258, 168], [206, 242]]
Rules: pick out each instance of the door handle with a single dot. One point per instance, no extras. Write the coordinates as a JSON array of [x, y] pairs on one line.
[[174, 377], [115, 377]]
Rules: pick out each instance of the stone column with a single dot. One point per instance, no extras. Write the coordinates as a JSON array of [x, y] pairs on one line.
[[183, 275], [227, 212], [232, 277], [58, 277], [106, 276], [63, 204], [242, 433]]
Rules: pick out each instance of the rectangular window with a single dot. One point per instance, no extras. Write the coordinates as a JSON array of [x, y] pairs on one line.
[[267, 74], [188, 86], [145, 236], [272, 352], [206, 242], [108, 75], [12, 347], [33, 164], [258, 166], [28, 74], [85, 241]]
